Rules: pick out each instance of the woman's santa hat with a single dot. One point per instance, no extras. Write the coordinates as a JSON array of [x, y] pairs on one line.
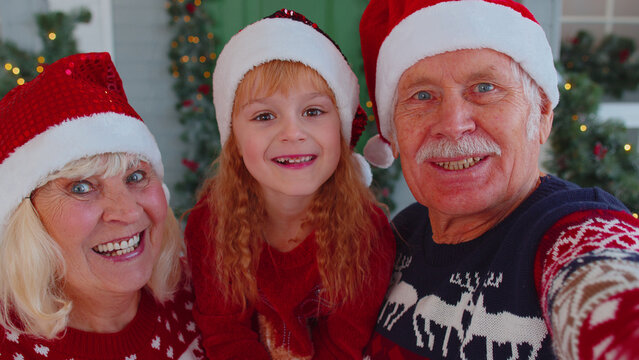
[[289, 36], [75, 108], [395, 35]]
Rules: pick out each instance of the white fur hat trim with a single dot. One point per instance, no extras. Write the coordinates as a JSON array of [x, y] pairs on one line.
[[51, 150], [282, 39], [456, 25]]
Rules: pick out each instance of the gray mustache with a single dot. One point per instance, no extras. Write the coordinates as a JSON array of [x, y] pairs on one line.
[[467, 146]]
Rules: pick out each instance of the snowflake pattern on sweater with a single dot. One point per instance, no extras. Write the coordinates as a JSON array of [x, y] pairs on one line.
[[573, 250], [158, 331], [589, 281]]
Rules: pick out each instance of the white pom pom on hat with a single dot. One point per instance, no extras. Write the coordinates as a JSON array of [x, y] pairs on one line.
[[378, 152]]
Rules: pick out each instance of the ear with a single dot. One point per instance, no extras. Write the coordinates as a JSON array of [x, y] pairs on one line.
[[394, 148], [545, 124]]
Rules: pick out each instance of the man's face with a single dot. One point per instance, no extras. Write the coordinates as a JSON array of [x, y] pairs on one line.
[[460, 121]]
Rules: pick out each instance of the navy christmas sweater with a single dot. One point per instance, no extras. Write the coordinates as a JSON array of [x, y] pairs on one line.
[[557, 278]]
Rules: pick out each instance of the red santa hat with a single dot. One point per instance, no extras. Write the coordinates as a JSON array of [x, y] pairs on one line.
[[396, 34], [290, 36], [75, 108]]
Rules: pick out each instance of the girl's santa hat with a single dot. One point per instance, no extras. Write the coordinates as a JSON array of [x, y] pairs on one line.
[[289, 36], [395, 35], [75, 108]]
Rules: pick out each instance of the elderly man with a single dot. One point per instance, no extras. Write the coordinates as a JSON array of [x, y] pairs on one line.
[[497, 260]]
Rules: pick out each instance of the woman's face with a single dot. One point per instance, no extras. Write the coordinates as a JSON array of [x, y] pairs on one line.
[[108, 228]]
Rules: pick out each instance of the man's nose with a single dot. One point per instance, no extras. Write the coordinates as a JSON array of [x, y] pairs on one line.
[[455, 117]]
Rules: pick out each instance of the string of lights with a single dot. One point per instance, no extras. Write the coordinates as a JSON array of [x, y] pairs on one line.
[[55, 30]]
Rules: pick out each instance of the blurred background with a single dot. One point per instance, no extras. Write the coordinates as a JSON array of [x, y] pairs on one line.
[[165, 52]]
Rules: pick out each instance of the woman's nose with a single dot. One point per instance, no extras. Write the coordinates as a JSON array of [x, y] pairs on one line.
[[119, 204]]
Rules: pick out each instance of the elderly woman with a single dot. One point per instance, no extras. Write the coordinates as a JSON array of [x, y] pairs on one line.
[[90, 264]]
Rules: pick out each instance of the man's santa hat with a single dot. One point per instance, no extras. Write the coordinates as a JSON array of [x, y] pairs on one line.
[[75, 108], [396, 34], [289, 36]]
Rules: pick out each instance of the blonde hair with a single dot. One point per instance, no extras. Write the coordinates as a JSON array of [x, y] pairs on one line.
[[32, 266], [341, 211]]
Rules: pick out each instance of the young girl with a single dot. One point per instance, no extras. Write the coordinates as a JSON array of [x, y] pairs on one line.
[[290, 255]]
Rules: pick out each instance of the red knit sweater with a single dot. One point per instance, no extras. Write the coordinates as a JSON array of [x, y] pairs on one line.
[[289, 321], [156, 332]]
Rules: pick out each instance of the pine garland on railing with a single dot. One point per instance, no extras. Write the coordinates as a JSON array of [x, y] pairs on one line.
[[192, 54], [55, 30], [584, 148]]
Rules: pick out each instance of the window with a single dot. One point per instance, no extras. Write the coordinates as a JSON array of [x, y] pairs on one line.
[[601, 17]]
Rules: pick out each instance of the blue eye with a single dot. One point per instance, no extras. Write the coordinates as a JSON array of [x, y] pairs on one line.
[[81, 187], [422, 95], [485, 87], [264, 117], [136, 177], [313, 112]]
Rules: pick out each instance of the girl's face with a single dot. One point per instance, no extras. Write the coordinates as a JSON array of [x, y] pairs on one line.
[[289, 141]]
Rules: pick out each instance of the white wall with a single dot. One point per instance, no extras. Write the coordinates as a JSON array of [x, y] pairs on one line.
[[141, 45], [97, 35], [17, 22]]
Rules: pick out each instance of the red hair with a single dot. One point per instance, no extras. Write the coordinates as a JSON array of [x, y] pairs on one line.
[[340, 212]]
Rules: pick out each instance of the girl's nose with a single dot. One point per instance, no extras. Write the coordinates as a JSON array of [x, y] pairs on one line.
[[292, 129]]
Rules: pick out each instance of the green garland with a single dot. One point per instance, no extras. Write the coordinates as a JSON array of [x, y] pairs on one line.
[[55, 30], [193, 53], [608, 63], [584, 148]]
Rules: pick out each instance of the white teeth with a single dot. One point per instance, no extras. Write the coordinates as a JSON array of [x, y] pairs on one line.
[[459, 165], [294, 160], [118, 248]]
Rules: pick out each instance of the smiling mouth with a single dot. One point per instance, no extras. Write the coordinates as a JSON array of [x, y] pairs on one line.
[[459, 165], [294, 160], [117, 248]]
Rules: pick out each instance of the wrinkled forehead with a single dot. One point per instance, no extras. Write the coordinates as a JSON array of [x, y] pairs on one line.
[[467, 64]]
